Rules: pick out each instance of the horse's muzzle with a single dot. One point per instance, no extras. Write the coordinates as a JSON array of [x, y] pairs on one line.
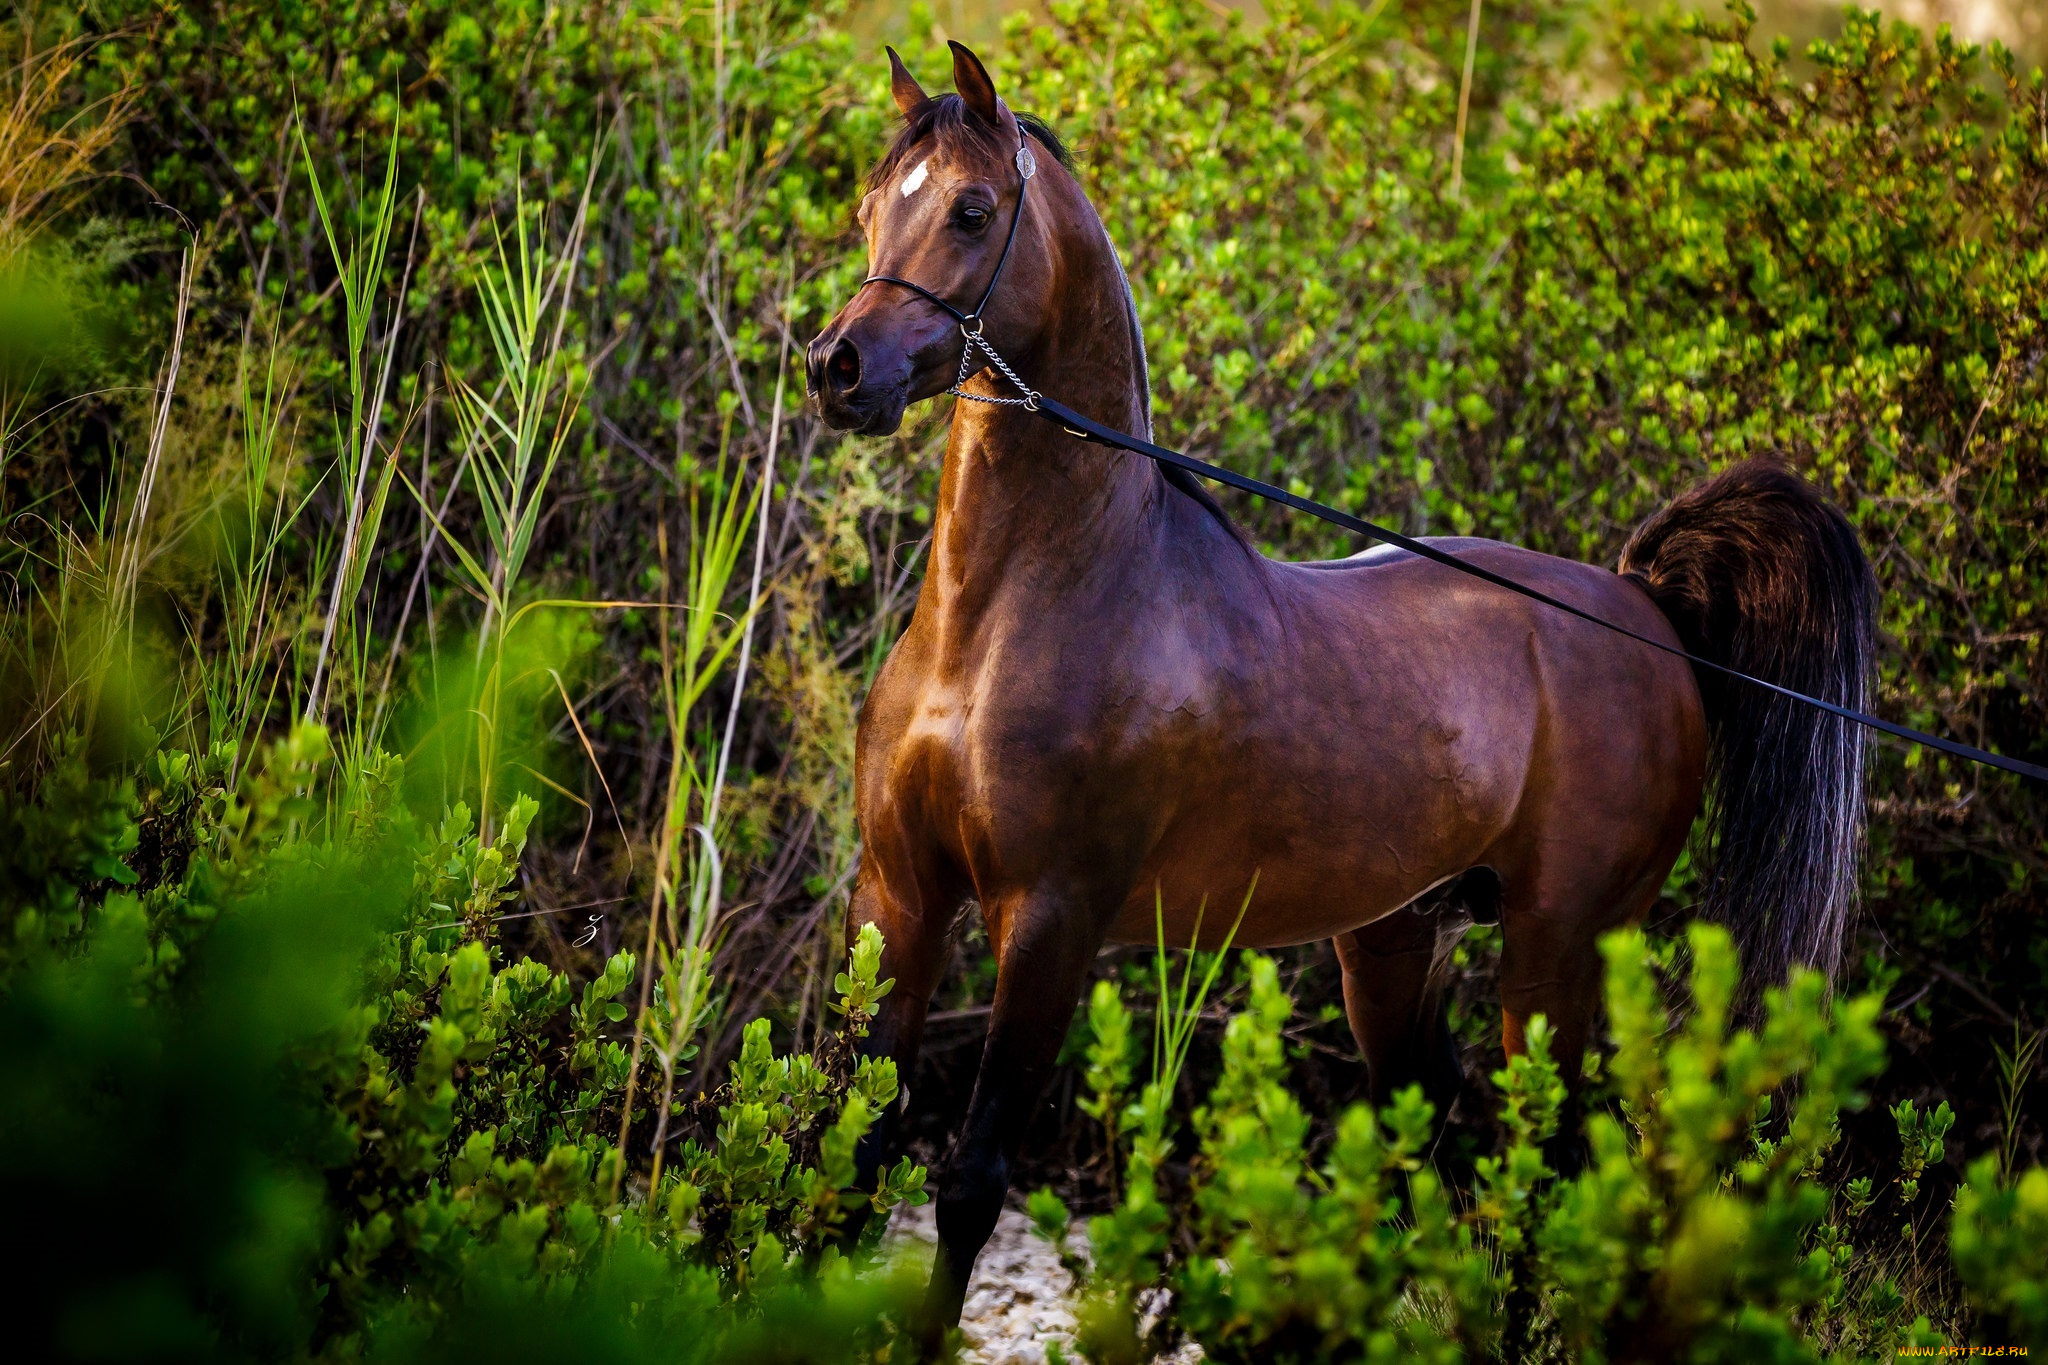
[[855, 389]]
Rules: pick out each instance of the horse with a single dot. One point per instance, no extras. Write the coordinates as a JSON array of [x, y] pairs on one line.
[[1109, 709]]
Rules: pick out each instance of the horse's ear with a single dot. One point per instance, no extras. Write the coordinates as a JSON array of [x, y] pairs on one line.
[[970, 78], [910, 96]]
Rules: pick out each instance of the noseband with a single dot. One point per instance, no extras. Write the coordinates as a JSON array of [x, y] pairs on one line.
[[971, 323]]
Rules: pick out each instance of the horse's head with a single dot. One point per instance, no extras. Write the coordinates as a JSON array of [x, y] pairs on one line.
[[938, 213]]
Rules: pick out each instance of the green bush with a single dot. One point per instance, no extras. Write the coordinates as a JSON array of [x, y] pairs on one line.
[[287, 1099], [1703, 1225], [2001, 1251], [1836, 260], [1833, 257]]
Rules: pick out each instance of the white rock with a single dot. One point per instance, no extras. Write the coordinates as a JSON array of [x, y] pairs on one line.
[[1020, 1299]]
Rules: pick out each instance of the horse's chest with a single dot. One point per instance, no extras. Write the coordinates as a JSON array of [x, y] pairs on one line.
[[970, 739], [1036, 740], [1062, 759]]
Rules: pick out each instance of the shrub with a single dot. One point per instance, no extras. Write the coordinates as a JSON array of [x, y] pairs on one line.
[[1836, 258], [328, 1117], [2001, 1251], [1833, 257], [1700, 1226]]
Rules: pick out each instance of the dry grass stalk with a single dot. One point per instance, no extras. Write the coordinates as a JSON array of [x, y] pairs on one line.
[[47, 149]]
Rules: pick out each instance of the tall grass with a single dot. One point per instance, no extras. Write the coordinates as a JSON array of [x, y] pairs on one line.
[[1464, 102], [360, 267], [275, 616], [134, 544], [71, 629], [69, 614], [677, 999], [512, 437], [242, 677]]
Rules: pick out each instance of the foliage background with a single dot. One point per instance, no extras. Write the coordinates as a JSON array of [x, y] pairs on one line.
[[1674, 245]]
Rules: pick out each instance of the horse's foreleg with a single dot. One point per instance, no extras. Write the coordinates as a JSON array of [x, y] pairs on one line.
[[914, 944], [1044, 945], [1394, 997]]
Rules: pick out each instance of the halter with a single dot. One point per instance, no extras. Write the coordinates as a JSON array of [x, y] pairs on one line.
[[971, 323]]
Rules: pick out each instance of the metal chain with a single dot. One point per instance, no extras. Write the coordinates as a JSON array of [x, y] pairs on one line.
[[972, 339]]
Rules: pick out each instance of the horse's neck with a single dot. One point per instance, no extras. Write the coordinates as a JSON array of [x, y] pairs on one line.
[[1023, 503]]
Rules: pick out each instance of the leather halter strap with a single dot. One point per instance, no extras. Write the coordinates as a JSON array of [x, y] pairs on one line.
[[970, 323]]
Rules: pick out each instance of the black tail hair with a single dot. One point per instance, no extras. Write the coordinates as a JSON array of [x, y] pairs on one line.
[[1759, 572]]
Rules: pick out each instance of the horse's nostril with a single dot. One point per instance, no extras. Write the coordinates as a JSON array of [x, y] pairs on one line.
[[843, 368]]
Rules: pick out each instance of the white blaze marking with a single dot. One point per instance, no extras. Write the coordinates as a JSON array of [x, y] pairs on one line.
[[913, 182]]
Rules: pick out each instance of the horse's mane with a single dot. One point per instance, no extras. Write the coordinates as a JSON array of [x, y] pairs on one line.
[[1175, 476], [946, 117]]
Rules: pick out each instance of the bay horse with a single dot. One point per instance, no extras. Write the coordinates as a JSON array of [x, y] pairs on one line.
[[1107, 699]]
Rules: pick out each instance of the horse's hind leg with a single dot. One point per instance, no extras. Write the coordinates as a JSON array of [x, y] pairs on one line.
[[1550, 953], [1394, 997], [1550, 965]]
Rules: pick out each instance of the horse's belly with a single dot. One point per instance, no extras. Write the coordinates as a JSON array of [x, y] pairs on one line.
[[1269, 913], [1337, 846]]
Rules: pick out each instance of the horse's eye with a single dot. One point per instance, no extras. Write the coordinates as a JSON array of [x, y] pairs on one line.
[[973, 217]]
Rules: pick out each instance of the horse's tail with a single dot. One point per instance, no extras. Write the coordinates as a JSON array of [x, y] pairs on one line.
[[1760, 573]]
